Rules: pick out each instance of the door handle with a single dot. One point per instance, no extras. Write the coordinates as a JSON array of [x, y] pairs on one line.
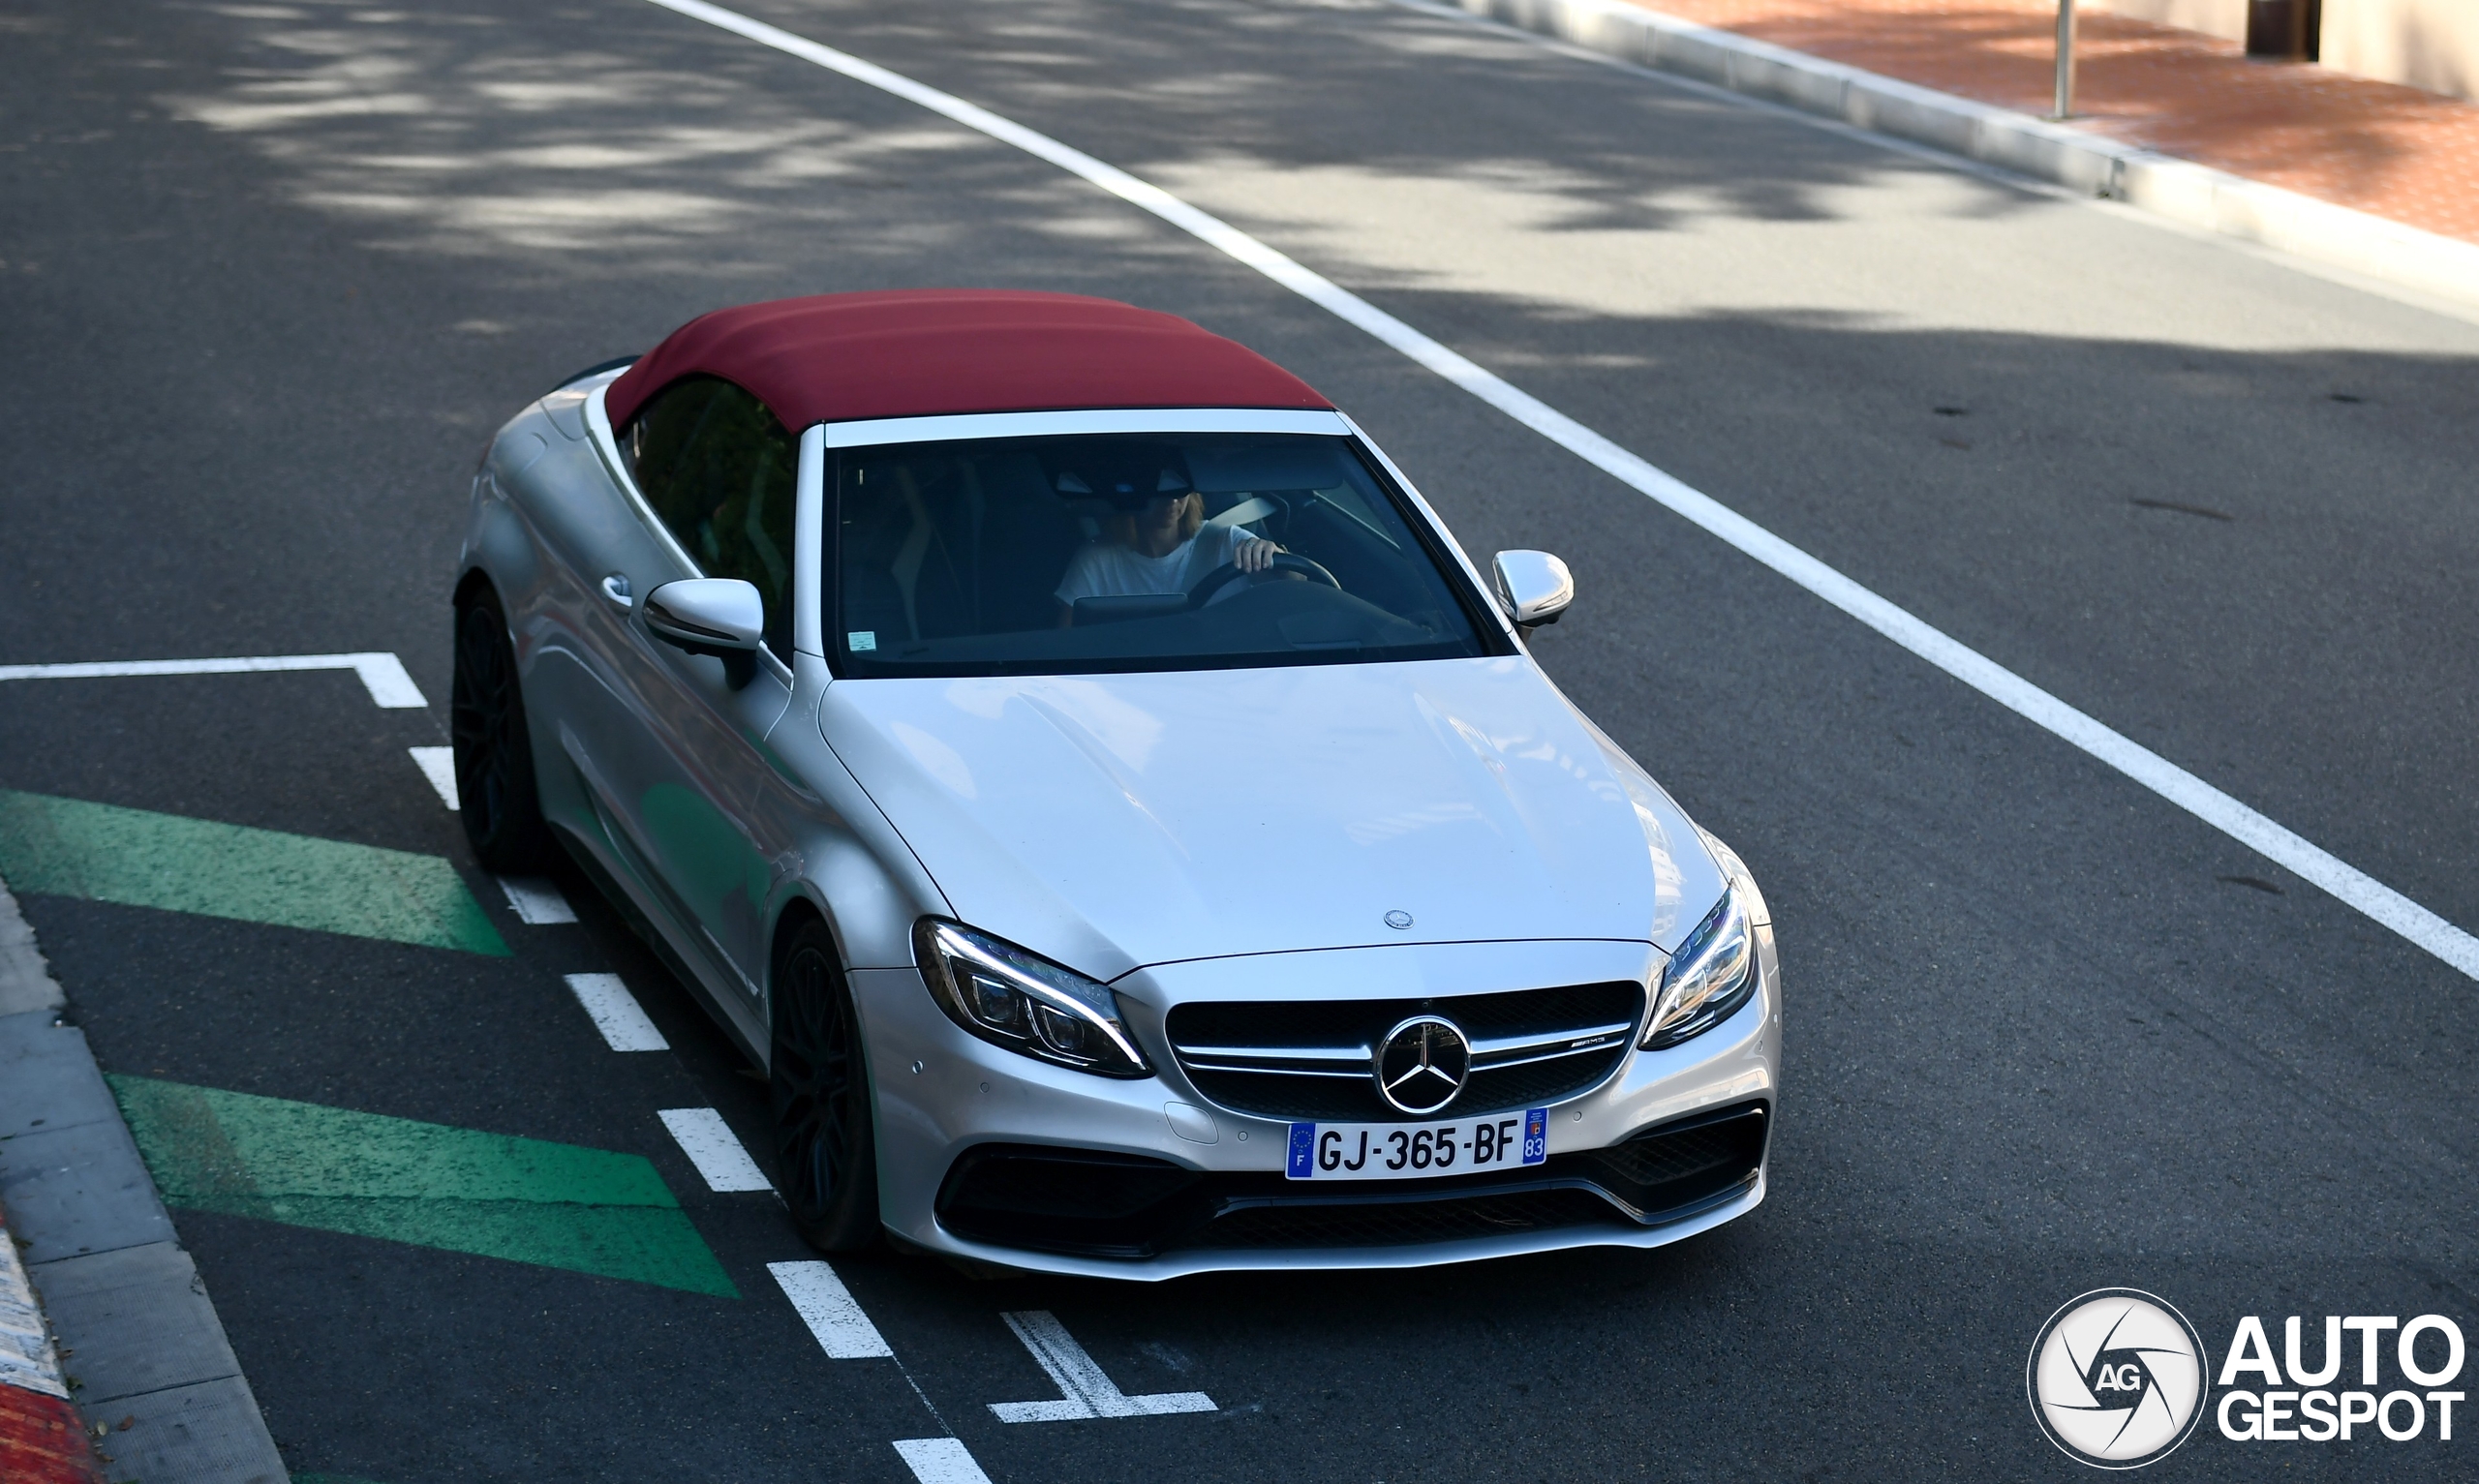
[[616, 588]]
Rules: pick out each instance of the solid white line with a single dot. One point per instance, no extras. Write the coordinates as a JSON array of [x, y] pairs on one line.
[[536, 900], [941, 1461], [2309, 862], [1087, 1390], [831, 1312], [1069, 1409], [439, 765], [382, 674], [616, 1014], [716, 1151]]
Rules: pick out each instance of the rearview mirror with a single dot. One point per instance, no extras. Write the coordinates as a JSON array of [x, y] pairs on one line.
[[1535, 586], [719, 615]]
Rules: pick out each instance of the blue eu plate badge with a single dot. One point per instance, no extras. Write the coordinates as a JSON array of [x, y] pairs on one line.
[[1409, 1151]]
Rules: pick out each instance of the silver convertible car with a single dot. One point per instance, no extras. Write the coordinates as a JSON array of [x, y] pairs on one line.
[[1062, 751]]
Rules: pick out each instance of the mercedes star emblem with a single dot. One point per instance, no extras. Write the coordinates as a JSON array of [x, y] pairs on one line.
[[1398, 920], [1421, 1065]]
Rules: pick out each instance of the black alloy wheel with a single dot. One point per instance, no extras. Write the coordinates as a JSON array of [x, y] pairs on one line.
[[819, 1087], [495, 795]]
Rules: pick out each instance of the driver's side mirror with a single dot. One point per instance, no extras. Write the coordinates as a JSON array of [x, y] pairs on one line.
[[719, 615], [1535, 586]]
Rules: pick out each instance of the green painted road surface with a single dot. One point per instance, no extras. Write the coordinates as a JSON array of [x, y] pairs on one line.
[[461, 1190], [69, 847]]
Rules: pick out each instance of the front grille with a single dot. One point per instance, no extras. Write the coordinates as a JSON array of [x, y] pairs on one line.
[[1310, 1060], [1089, 1203]]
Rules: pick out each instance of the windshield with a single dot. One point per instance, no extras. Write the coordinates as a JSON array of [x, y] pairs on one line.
[[1133, 552]]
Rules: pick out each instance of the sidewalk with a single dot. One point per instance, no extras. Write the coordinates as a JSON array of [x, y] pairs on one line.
[[2378, 182], [2377, 147], [110, 1351]]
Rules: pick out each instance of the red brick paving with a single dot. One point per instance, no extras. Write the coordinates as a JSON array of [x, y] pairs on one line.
[[42, 1440], [2394, 151]]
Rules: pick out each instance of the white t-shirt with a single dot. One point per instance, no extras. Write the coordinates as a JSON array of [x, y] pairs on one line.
[[1108, 569]]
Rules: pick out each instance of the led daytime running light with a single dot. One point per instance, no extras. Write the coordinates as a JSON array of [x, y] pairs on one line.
[[1709, 978], [1024, 1002]]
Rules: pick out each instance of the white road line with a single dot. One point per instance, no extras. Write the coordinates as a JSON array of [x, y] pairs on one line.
[[536, 900], [616, 1014], [716, 1151], [382, 674], [832, 1313], [2248, 828], [941, 1461], [439, 765], [1085, 1391]]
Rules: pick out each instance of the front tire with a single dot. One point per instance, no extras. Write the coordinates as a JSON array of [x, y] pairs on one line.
[[819, 1087], [495, 795]]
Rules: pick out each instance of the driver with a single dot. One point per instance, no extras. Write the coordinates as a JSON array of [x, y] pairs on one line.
[[1163, 547]]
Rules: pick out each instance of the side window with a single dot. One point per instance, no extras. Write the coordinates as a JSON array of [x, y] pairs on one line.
[[719, 471]]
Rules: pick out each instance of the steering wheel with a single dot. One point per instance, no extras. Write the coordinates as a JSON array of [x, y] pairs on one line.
[[1229, 572]]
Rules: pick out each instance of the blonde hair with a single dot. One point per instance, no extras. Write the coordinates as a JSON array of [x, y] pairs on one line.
[[1120, 525]]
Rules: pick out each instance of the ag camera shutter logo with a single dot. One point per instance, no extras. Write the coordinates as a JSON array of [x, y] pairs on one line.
[[2117, 1379]]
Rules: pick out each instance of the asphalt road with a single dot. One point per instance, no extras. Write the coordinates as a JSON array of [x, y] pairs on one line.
[[270, 273]]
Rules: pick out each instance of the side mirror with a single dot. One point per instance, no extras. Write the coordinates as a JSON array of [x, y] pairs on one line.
[[1535, 586], [719, 615]]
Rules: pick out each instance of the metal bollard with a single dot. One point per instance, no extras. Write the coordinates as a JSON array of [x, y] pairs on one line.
[[2065, 60]]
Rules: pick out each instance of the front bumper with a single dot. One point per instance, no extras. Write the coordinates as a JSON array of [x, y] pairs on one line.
[[954, 1110]]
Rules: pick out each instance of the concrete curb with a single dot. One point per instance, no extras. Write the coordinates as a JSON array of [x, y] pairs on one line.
[[43, 1440], [2179, 190], [143, 1354]]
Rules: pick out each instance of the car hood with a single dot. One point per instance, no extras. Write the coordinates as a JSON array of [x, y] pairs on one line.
[[1117, 821]]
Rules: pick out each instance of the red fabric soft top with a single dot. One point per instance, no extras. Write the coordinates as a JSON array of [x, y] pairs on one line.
[[839, 357]]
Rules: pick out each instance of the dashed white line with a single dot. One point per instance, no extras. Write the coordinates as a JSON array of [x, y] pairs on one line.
[[382, 674], [940, 1461], [439, 765], [832, 1313], [536, 900], [2258, 833], [716, 1151], [1087, 1391], [616, 1014]]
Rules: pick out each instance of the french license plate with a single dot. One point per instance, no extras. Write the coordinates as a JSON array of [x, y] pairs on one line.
[[1414, 1151]]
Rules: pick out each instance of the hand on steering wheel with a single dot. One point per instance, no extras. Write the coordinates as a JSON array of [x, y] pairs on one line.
[[1229, 572]]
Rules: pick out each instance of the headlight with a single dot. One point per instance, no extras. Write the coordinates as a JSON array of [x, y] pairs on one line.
[[1710, 976], [1734, 872], [1025, 1003]]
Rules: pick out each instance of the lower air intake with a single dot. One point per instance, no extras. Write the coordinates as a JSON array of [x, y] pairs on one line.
[[1087, 1203]]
